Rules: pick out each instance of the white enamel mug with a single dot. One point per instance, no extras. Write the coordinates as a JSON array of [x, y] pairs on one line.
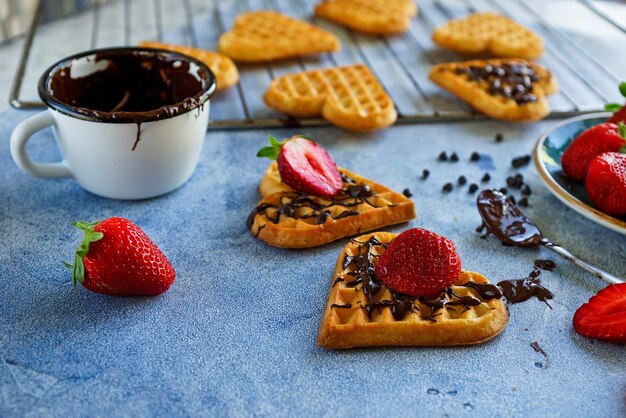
[[109, 154]]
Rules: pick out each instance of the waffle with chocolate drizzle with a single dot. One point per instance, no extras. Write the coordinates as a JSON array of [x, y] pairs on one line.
[[362, 312], [288, 219], [507, 88]]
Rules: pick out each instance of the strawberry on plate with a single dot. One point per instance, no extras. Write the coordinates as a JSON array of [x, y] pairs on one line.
[[606, 183], [619, 111], [604, 316], [592, 142], [304, 165], [117, 258], [419, 263]]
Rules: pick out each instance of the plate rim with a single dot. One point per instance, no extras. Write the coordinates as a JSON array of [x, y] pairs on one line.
[[563, 195]]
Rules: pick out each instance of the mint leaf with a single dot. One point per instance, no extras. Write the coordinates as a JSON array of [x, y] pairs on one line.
[[273, 141], [268, 152]]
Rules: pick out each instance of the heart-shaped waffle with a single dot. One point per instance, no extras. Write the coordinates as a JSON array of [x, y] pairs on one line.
[[285, 218], [489, 32], [376, 17], [266, 36], [505, 88], [222, 66], [362, 312], [350, 97]]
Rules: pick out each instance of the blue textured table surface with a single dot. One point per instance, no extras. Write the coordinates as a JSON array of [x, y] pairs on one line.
[[235, 334]]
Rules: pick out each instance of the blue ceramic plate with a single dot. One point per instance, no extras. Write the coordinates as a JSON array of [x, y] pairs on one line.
[[547, 155]]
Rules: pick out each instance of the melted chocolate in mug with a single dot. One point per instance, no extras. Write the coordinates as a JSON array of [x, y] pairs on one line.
[[127, 85]]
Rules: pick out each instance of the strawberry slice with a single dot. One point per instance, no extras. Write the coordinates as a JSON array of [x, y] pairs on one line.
[[604, 316], [619, 110], [304, 166], [419, 263]]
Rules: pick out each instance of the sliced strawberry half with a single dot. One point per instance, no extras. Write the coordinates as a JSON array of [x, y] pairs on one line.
[[419, 263], [304, 166], [604, 316]]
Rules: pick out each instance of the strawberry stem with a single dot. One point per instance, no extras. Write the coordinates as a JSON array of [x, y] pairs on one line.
[[78, 267], [621, 129]]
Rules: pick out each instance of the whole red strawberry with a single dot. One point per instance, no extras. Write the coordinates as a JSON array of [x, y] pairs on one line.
[[619, 110], [604, 316], [606, 183], [117, 258], [419, 263], [592, 142], [304, 166]]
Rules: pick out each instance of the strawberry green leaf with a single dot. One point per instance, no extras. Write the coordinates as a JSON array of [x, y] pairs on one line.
[[622, 150], [268, 152], [273, 141], [622, 88], [612, 107], [78, 268], [621, 129]]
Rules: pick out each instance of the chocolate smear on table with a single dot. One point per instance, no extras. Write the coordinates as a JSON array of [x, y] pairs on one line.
[[535, 346], [363, 265], [352, 195], [128, 85]]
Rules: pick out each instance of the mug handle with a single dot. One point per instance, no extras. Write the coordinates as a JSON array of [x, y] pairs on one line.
[[20, 136]]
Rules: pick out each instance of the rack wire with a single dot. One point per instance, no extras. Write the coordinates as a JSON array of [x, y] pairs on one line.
[[576, 54]]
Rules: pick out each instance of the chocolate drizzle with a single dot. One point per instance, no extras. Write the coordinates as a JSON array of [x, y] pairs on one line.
[[504, 220], [514, 81], [301, 206], [362, 270]]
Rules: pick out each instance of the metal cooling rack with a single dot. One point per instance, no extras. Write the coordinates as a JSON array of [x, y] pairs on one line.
[[577, 34]]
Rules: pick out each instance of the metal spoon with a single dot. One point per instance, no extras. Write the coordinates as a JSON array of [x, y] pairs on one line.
[[505, 221]]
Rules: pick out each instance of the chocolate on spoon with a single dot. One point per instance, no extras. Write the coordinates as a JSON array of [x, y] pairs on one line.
[[503, 219]]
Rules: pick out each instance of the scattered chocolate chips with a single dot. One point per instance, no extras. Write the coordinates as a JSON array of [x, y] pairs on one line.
[[512, 199], [521, 161], [462, 180], [447, 187], [523, 202], [486, 178], [526, 190], [473, 187], [499, 137], [425, 174], [407, 192], [503, 190], [443, 156], [475, 156], [454, 157]]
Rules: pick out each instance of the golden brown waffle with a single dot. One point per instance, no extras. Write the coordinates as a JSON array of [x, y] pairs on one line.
[[223, 67], [489, 32], [376, 17], [472, 83], [267, 36], [347, 324], [284, 218], [350, 97]]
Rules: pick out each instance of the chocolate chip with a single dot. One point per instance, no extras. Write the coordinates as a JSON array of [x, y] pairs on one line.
[[486, 178], [475, 156], [407, 192], [523, 201], [425, 174], [443, 156], [510, 181], [512, 199], [454, 158], [522, 161], [503, 190], [526, 190], [499, 137], [462, 180], [448, 187], [473, 187]]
